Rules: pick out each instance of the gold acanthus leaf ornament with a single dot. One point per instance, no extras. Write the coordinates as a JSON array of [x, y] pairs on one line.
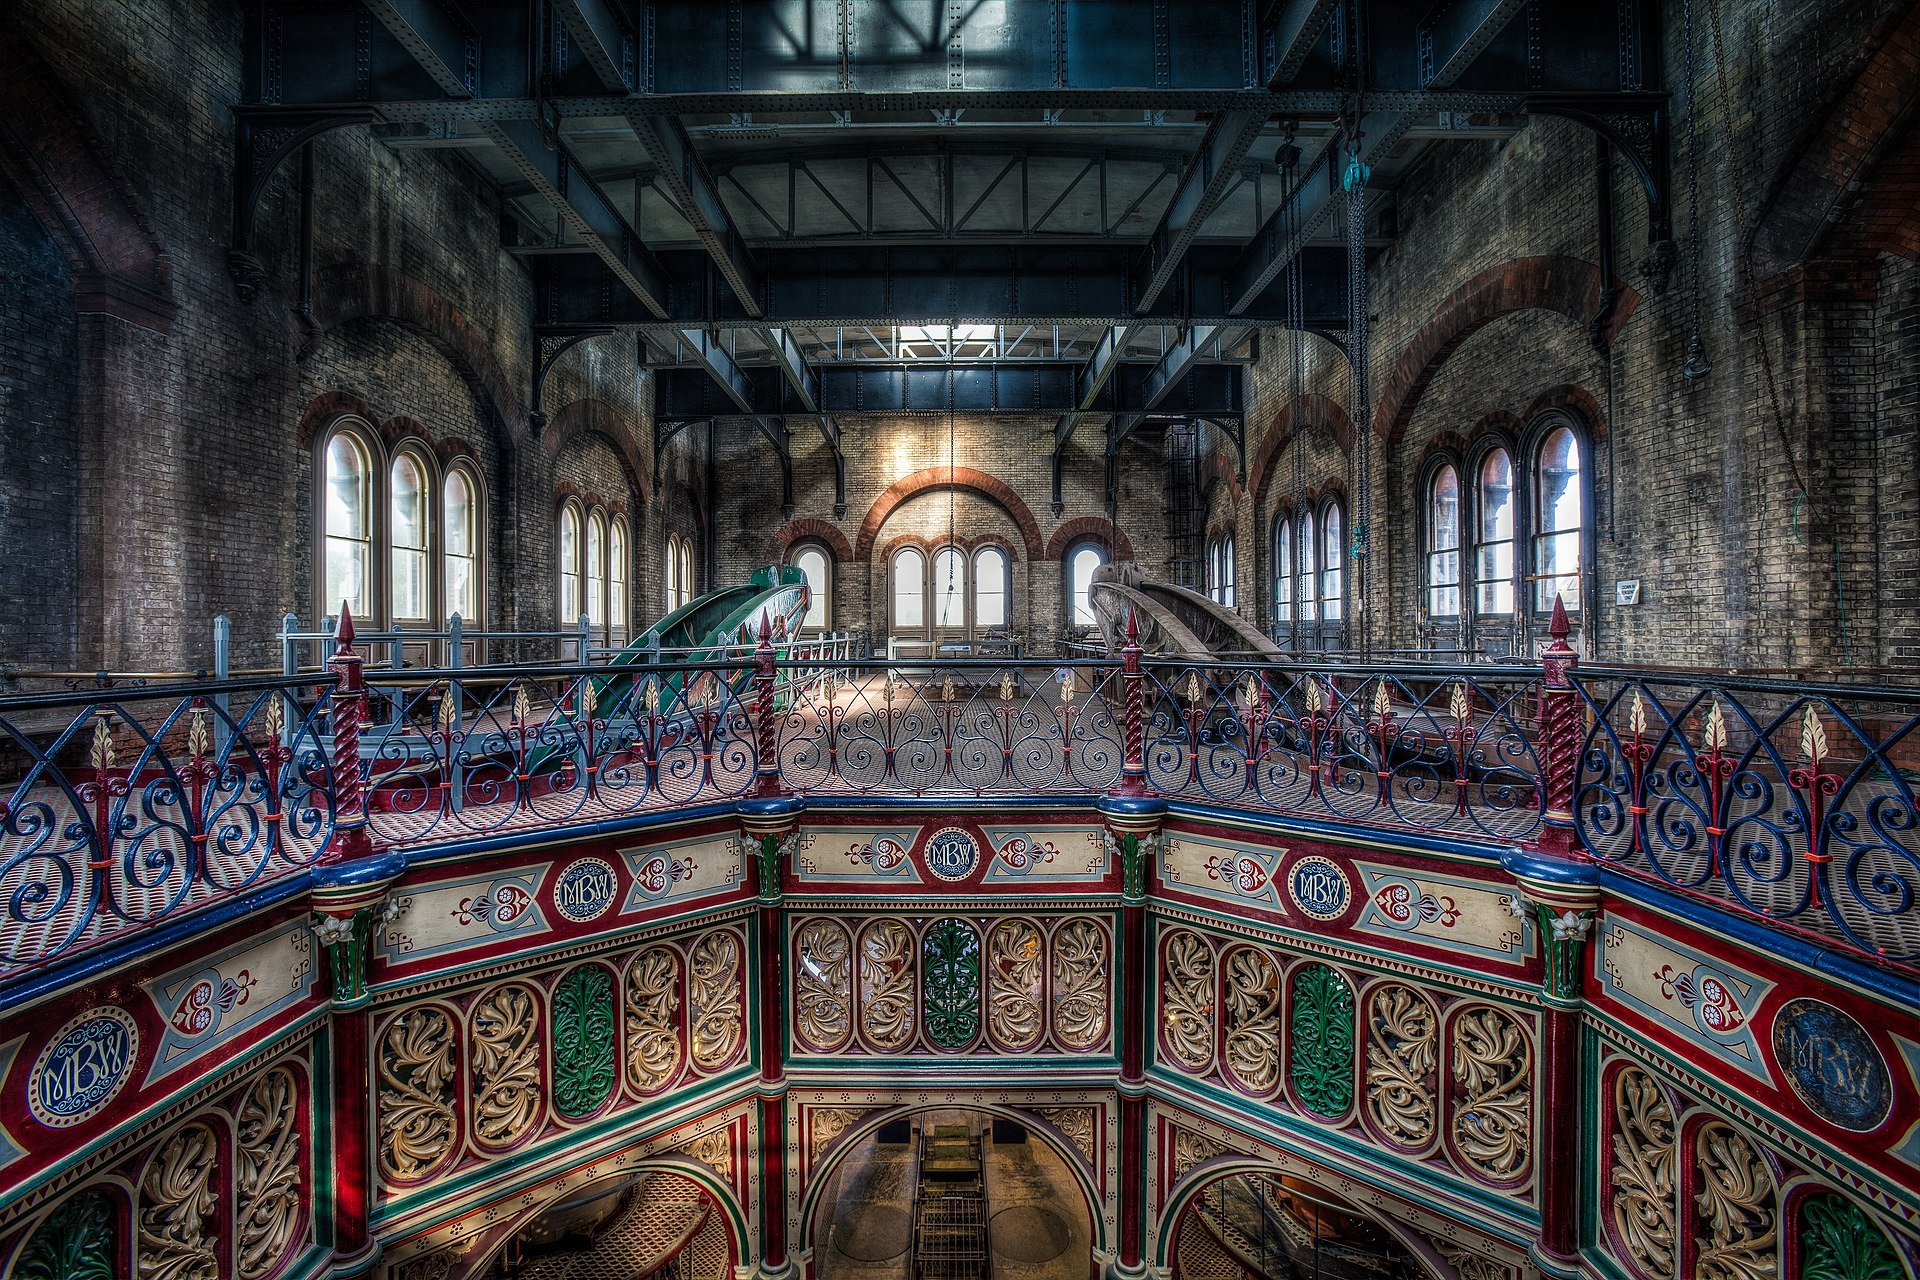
[[1081, 989], [416, 1093], [1493, 1119], [823, 986], [886, 984], [179, 1209], [1735, 1204], [1643, 1171], [1253, 1019], [1401, 1050], [1016, 964], [1187, 999], [267, 1174], [653, 1000], [504, 1030], [715, 1011]]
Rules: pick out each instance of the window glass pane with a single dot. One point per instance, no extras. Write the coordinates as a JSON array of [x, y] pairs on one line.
[[686, 571], [1332, 558], [349, 540], [1228, 573], [409, 524], [990, 587], [596, 570], [617, 574], [812, 561], [1557, 551], [1309, 574], [1443, 544], [1283, 568], [1493, 554], [1080, 584], [949, 588], [569, 567], [459, 515], [909, 586]]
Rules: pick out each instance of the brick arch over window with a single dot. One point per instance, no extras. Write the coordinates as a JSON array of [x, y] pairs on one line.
[[930, 479], [591, 417], [348, 291], [1215, 470], [808, 529], [1310, 410], [87, 208], [1094, 528], [1567, 286]]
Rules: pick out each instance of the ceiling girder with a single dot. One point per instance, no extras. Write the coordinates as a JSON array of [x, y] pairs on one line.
[[1174, 366], [601, 32], [1215, 168], [719, 363], [854, 390], [946, 284], [1457, 32], [1287, 35], [692, 189], [580, 202], [438, 37]]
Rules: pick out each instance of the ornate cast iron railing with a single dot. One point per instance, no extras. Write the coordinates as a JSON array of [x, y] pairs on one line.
[[1788, 801], [122, 807]]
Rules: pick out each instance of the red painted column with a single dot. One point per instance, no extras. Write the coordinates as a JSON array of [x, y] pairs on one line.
[[1133, 823], [350, 1129]]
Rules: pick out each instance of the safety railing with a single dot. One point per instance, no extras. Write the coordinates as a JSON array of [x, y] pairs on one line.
[[1791, 802], [123, 807]]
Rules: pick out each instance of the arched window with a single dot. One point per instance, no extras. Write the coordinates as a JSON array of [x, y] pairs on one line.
[[673, 572], [409, 517], [1443, 543], [811, 560], [1227, 572], [1560, 507], [596, 570], [949, 588], [617, 561], [686, 571], [909, 590], [990, 587], [1282, 571], [1332, 562], [1493, 547], [460, 514], [1081, 562], [571, 537], [1309, 574], [347, 526]]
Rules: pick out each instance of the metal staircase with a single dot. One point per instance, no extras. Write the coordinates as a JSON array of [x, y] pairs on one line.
[[950, 1209]]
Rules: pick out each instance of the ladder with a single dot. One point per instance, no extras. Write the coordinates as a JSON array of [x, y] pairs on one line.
[[950, 1211]]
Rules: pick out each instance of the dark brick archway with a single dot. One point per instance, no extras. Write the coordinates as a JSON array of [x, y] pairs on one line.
[[1112, 536], [1312, 409], [1567, 286], [927, 480], [589, 416]]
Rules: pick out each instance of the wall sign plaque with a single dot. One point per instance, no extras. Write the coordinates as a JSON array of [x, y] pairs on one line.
[[83, 1066], [584, 890], [952, 854], [1832, 1064]]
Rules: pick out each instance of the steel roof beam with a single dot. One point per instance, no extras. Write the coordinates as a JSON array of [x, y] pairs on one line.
[[719, 362], [687, 180], [1457, 32], [585, 208], [1287, 35], [1207, 179], [1179, 360], [438, 37], [601, 33]]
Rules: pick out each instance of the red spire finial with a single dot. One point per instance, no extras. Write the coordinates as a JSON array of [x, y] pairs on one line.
[[1133, 625], [1559, 628], [766, 626], [343, 633]]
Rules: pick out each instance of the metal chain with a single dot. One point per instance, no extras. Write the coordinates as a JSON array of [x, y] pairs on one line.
[[1356, 190]]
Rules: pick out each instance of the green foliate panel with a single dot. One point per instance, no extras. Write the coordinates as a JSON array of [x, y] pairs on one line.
[[583, 1048], [74, 1243], [952, 952], [1322, 1036], [1839, 1242]]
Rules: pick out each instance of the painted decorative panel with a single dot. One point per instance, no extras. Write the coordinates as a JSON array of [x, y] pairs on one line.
[[688, 869], [1839, 1242], [1698, 997], [1241, 876], [1058, 854], [269, 1174], [206, 1004], [952, 983], [1323, 1040], [1402, 1051], [179, 1223], [1186, 999], [823, 986], [503, 1028], [1082, 989], [78, 1241], [1643, 1171], [1016, 967], [1493, 1094], [652, 1017], [1253, 1020], [416, 1059], [1447, 911], [444, 917], [716, 1010], [887, 1004], [583, 1048], [853, 855], [1736, 1217]]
